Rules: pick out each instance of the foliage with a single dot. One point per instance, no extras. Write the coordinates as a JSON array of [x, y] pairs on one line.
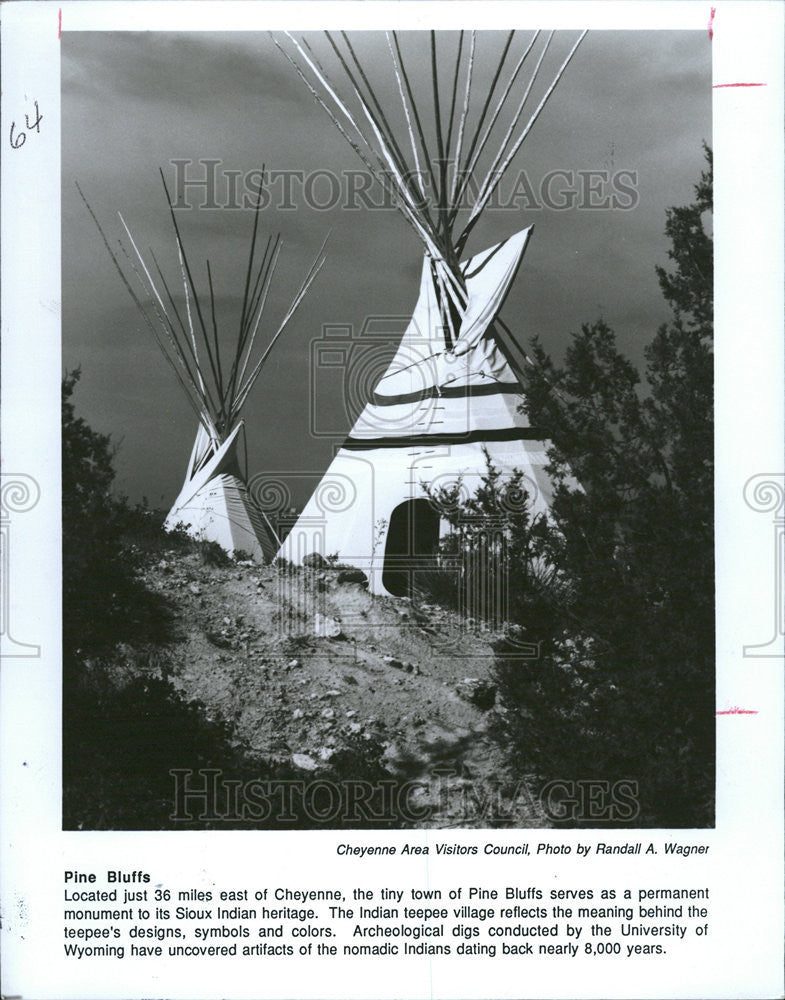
[[623, 686], [494, 540], [123, 739], [103, 601], [213, 554], [125, 725]]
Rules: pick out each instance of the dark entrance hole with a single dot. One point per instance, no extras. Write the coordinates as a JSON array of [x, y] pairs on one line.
[[412, 540]]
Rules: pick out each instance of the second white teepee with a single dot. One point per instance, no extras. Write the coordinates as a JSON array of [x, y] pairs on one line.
[[214, 503]]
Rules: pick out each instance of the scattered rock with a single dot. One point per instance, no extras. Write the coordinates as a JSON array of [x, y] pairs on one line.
[[391, 751], [351, 713], [298, 713], [391, 661], [221, 641], [195, 589], [314, 561], [292, 664], [327, 627], [325, 753], [353, 576], [355, 728], [332, 693], [477, 692], [304, 762], [328, 713]]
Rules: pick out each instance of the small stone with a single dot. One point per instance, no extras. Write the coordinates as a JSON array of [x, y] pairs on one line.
[[325, 753], [355, 728], [391, 661], [328, 713], [304, 762], [195, 588], [327, 627], [351, 713], [298, 713], [391, 751], [352, 576], [292, 664]]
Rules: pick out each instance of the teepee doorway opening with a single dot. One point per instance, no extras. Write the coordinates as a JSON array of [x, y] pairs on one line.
[[412, 544]]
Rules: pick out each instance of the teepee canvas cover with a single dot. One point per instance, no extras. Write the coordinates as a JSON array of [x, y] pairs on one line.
[[450, 399], [214, 503], [432, 419]]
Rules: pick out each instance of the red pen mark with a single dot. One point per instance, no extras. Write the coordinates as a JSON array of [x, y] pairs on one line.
[[711, 23], [718, 86], [735, 710], [59, 22]]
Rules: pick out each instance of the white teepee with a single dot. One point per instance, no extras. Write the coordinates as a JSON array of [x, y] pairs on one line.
[[214, 503], [450, 400]]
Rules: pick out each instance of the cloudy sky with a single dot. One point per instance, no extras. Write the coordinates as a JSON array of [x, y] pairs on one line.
[[630, 103]]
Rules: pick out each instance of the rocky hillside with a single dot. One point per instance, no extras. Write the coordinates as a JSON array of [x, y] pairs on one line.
[[301, 663]]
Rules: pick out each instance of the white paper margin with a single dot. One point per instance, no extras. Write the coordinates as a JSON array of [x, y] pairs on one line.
[[744, 866]]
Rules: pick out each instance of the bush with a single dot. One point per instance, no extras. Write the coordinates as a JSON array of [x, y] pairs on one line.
[[213, 554], [125, 726], [615, 593]]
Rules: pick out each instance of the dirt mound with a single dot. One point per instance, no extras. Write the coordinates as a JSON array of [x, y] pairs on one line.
[[303, 662]]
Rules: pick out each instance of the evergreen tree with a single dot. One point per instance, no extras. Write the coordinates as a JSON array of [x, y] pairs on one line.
[[624, 683]]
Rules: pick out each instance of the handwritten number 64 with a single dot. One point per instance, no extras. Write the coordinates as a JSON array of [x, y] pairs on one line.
[[18, 141]]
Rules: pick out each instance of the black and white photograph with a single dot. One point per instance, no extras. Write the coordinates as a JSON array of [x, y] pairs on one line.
[[351, 500], [391, 504]]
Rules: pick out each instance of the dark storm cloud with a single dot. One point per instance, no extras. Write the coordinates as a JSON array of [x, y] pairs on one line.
[[135, 101]]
